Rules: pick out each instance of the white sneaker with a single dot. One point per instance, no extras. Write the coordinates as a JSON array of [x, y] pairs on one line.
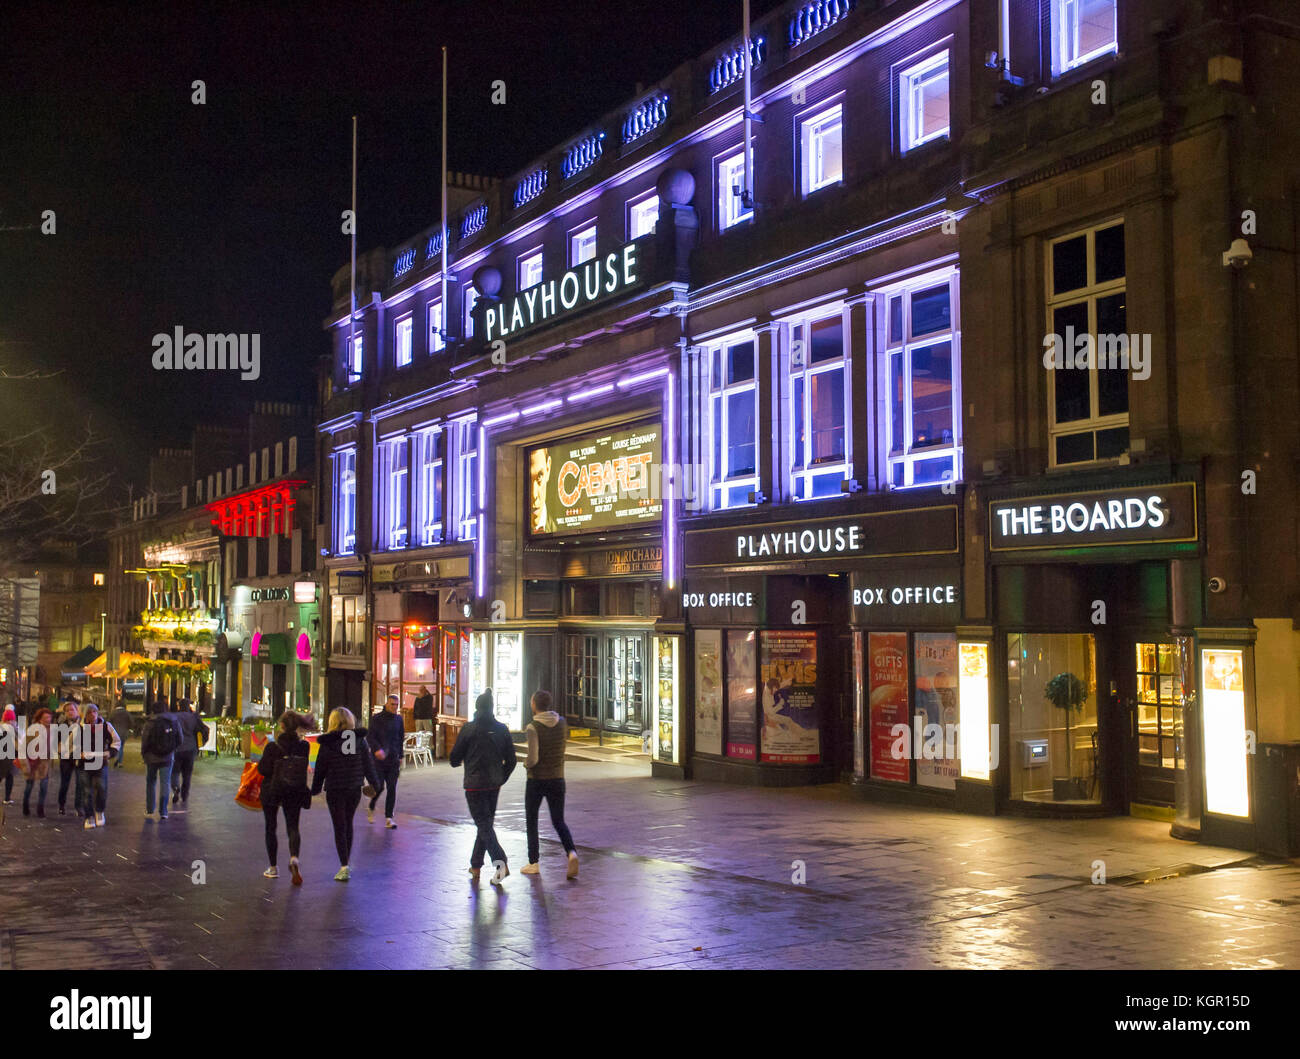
[[501, 872], [344, 874], [531, 869], [573, 866], [99, 819], [390, 823], [271, 873]]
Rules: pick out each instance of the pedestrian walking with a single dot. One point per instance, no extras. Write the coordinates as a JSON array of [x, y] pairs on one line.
[[98, 744], [284, 788], [422, 710], [158, 744], [193, 734], [488, 754], [387, 740], [120, 719], [10, 751], [343, 761], [37, 753], [547, 734], [69, 721]]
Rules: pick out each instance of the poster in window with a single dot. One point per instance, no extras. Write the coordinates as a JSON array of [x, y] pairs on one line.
[[788, 684], [742, 720], [708, 691], [935, 669], [887, 705]]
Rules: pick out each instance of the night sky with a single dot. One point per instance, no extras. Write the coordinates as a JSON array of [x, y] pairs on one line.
[[226, 217]]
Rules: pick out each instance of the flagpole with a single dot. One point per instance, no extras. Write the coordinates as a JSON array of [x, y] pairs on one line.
[[747, 200], [352, 309], [446, 238]]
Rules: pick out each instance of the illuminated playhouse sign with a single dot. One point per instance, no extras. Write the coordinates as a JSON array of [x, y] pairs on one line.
[[577, 288], [1140, 515]]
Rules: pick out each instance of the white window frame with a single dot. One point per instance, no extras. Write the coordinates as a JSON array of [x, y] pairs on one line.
[[524, 264], [729, 173], [345, 501], [576, 238], [721, 483], [636, 208], [1065, 36], [436, 342], [394, 500], [801, 470], [1090, 293], [908, 455], [812, 129], [471, 300], [432, 498], [465, 454], [356, 353], [403, 340], [911, 100]]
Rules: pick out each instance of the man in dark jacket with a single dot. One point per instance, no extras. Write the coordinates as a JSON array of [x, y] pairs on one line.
[[423, 710], [488, 754], [387, 739], [193, 733], [158, 743], [121, 722]]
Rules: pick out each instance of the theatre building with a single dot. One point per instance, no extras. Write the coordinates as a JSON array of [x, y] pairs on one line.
[[888, 440]]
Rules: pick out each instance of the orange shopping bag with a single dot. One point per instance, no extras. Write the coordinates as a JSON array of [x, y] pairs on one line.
[[249, 794]]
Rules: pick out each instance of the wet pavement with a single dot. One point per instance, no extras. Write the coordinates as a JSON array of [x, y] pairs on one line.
[[674, 874]]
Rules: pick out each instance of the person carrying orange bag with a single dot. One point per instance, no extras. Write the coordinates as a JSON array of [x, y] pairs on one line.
[[249, 794]]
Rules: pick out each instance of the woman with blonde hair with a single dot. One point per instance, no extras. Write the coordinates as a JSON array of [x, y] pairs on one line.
[[342, 762], [284, 787]]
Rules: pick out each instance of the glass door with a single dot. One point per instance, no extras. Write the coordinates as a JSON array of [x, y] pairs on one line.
[[1158, 720], [625, 682], [582, 677]]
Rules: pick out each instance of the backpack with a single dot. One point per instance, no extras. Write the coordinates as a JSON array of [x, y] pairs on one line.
[[290, 773], [160, 738]]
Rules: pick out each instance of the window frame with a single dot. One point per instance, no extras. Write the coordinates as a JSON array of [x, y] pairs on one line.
[[345, 501], [721, 201], [1057, 28], [465, 459], [395, 493], [636, 203], [800, 468], [523, 261], [912, 74], [720, 484], [909, 455], [471, 297], [404, 323], [354, 348], [436, 341], [1090, 294], [806, 125], [577, 233], [431, 495]]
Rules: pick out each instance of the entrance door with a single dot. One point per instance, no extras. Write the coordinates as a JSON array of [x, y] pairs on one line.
[[582, 677], [625, 682], [1157, 718]]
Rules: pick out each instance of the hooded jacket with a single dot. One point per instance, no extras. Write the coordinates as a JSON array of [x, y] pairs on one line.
[[486, 750], [337, 771]]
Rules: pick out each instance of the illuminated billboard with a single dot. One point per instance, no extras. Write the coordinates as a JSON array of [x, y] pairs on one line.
[[600, 481]]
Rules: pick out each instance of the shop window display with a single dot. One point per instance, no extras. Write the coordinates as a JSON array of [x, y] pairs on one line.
[[1052, 709]]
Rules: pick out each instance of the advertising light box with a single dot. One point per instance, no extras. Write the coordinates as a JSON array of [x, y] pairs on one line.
[[601, 481]]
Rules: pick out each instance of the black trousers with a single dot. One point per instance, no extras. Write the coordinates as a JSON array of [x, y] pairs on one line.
[[343, 807], [389, 771], [67, 769], [182, 771], [553, 793], [290, 825], [483, 808]]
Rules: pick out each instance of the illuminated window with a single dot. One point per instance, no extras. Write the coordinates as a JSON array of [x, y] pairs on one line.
[[819, 373], [1082, 30], [530, 269], [393, 499], [733, 423], [471, 299], [345, 502], [436, 340], [465, 440], [923, 101], [642, 215], [922, 339], [731, 182], [402, 345], [582, 245], [97, 579], [432, 447], [1086, 306], [355, 357], [821, 148]]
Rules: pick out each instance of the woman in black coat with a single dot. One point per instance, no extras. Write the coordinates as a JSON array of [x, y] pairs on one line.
[[343, 761], [284, 786]]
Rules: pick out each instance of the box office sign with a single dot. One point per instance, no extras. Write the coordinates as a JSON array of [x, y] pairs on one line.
[[915, 531], [600, 481], [924, 596], [1153, 514], [723, 601]]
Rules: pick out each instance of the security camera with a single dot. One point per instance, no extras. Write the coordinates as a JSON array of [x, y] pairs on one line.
[[1217, 584], [1238, 255]]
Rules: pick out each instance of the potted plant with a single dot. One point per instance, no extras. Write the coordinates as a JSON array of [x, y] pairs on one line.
[[1067, 692]]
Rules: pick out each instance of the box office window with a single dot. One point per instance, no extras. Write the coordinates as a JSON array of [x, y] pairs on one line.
[[923, 382], [912, 708], [1052, 711], [1088, 351], [733, 423], [819, 407]]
